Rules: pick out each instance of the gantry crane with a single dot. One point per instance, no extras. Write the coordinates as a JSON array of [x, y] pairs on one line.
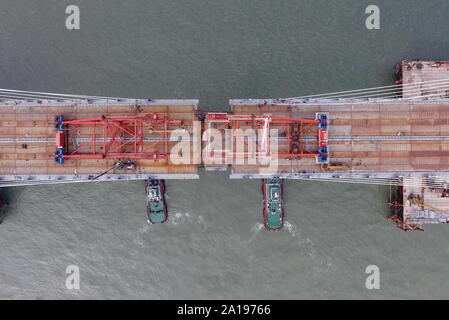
[[114, 137], [414, 199]]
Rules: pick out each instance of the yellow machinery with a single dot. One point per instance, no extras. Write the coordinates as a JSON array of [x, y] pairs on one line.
[[420, 202], [334, 167]]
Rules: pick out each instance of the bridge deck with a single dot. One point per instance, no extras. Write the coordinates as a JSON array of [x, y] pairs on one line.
[[33, 125], [369, 137]]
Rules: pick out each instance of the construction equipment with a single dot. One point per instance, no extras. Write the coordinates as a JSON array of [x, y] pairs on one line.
[[115, 137], [404, 226], [323, 149], [61, 139], [120, 165], [334, 167], [416, 200], [397, 207], [267, 124]]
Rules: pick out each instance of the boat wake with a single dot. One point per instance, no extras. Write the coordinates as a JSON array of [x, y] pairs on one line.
[[139, 240], [291, 228], [181, 217], [257, 227], [255, 230]]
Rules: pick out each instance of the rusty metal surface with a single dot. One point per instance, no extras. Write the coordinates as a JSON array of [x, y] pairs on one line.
[[425, 78]]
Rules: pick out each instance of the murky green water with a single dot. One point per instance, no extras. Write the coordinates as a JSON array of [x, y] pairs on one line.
[[214, 245]]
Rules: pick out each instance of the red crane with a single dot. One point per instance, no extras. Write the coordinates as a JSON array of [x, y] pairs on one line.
[[114, 137]]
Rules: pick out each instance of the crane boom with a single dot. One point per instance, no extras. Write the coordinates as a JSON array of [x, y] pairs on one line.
[[418, 201]]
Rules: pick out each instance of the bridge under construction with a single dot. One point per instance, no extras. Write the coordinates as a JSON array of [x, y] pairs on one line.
[[395, 135]]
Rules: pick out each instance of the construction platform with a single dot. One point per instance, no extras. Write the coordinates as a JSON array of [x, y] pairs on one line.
[[419, 201], [389, 135], [27, 139], [423, 78], [371, 139], [375, 136]]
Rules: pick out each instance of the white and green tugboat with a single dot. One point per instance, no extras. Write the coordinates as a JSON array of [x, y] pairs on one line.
[[156, 206], [273, 210]]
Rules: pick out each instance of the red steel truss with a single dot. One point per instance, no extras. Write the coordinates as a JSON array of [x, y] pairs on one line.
[[122, 137], [265, 122]]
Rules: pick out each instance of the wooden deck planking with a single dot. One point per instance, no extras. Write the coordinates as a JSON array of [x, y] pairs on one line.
[[37, 122]]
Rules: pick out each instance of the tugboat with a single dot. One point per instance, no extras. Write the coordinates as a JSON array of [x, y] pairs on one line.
[[273, 210], [156, 207]]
